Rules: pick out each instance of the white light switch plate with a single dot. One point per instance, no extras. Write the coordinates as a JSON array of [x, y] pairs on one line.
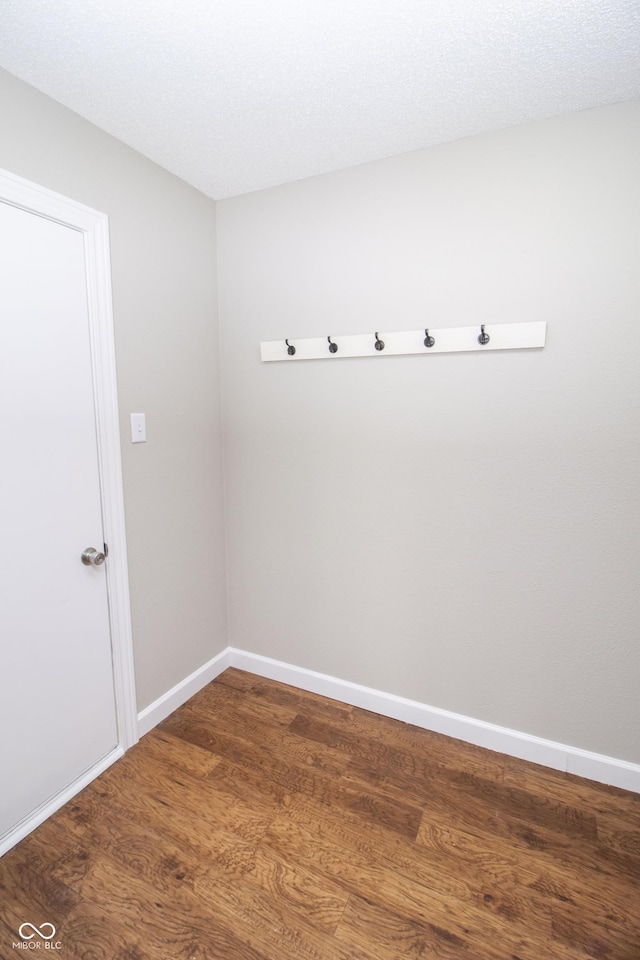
[[138, 428]]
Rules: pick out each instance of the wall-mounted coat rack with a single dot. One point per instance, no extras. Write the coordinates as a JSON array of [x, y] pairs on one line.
[[489, 336]]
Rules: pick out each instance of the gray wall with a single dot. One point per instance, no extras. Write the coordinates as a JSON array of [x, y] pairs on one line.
[[458, 529], [164, 291], [463, 529]]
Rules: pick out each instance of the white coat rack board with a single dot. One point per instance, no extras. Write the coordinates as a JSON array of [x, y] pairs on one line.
[[381, 343]]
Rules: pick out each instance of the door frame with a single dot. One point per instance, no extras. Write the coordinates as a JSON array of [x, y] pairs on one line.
[[94, 227]]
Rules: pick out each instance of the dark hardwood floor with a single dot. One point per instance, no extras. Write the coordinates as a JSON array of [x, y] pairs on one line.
[[259, 822]]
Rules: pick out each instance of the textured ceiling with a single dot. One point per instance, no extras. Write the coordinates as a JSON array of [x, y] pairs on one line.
[[236, 95]]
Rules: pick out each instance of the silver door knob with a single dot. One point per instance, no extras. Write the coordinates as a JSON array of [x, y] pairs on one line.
[[92, 557]]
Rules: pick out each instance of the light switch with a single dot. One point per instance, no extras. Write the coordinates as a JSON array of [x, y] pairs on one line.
[[138, 428]]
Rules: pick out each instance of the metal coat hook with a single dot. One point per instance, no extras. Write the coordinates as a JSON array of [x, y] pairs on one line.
[[291, 350], [473, 337]]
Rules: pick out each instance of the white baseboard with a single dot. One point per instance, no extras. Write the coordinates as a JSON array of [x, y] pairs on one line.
[[24, 828], [160, 709], [514, 743], [548, 753]]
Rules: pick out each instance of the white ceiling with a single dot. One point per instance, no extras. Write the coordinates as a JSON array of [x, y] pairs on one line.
[[236, 95]]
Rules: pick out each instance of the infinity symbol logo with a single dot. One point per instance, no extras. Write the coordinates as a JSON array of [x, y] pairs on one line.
[[40, 932]]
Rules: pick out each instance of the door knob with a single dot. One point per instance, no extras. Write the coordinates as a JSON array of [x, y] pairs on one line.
[[92, 557]]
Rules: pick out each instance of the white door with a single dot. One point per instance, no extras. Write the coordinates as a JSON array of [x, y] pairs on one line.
[[57, 701]]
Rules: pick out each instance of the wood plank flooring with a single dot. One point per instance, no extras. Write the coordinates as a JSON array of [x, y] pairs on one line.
[[259, 822]]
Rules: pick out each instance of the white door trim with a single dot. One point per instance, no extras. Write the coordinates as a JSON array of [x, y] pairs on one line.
[[95, 229]]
